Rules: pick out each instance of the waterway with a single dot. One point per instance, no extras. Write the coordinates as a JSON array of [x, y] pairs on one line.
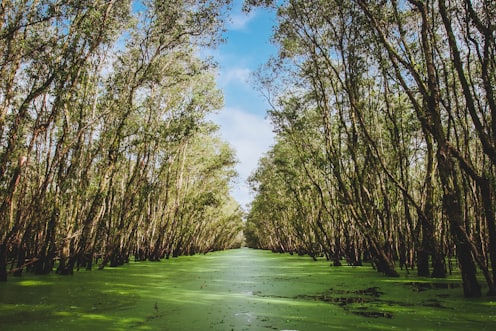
[[241, 289]]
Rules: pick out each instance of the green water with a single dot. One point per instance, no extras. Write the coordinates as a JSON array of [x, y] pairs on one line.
[[238, 290]]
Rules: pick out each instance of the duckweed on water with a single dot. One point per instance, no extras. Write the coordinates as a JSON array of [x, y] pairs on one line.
[[239, 290]]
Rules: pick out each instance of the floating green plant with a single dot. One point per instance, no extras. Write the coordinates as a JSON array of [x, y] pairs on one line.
[[239, 290]]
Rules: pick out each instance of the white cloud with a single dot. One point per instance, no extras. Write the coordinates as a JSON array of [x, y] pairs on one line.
[[234, 75], [240, 20], [251, 136]]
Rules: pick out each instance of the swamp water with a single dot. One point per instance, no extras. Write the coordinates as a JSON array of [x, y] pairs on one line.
[[239, 290]]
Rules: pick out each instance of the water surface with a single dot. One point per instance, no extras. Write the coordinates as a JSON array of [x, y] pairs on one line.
[[238, 290]]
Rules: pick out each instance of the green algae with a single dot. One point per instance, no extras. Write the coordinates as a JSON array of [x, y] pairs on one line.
[[239, 290]]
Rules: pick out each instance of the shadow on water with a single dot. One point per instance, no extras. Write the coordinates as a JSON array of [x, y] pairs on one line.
[[241, 289]]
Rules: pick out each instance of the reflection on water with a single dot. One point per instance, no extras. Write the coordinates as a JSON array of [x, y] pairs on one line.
[[248, 317]]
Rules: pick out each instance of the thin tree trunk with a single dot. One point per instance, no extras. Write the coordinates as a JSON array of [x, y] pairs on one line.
[[3, 262]]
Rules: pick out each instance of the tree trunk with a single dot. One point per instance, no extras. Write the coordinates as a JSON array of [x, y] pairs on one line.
[[3, 262], [21, 259], [452, 204], [487, 198], [383, 263]]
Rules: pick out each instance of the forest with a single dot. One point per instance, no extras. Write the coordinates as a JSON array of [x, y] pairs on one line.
[[106, 151], [384, 111]]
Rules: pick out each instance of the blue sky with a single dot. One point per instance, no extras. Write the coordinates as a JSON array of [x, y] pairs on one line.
[[243, 120]]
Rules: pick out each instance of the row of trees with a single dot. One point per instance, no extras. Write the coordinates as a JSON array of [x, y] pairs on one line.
[[105, 150], [385, 113]]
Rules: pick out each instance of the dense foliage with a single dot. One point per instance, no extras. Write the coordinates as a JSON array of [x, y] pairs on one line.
[[385, 114], [105, 150]]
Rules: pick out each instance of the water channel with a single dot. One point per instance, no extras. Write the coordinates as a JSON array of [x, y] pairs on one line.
[[237, 290]]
